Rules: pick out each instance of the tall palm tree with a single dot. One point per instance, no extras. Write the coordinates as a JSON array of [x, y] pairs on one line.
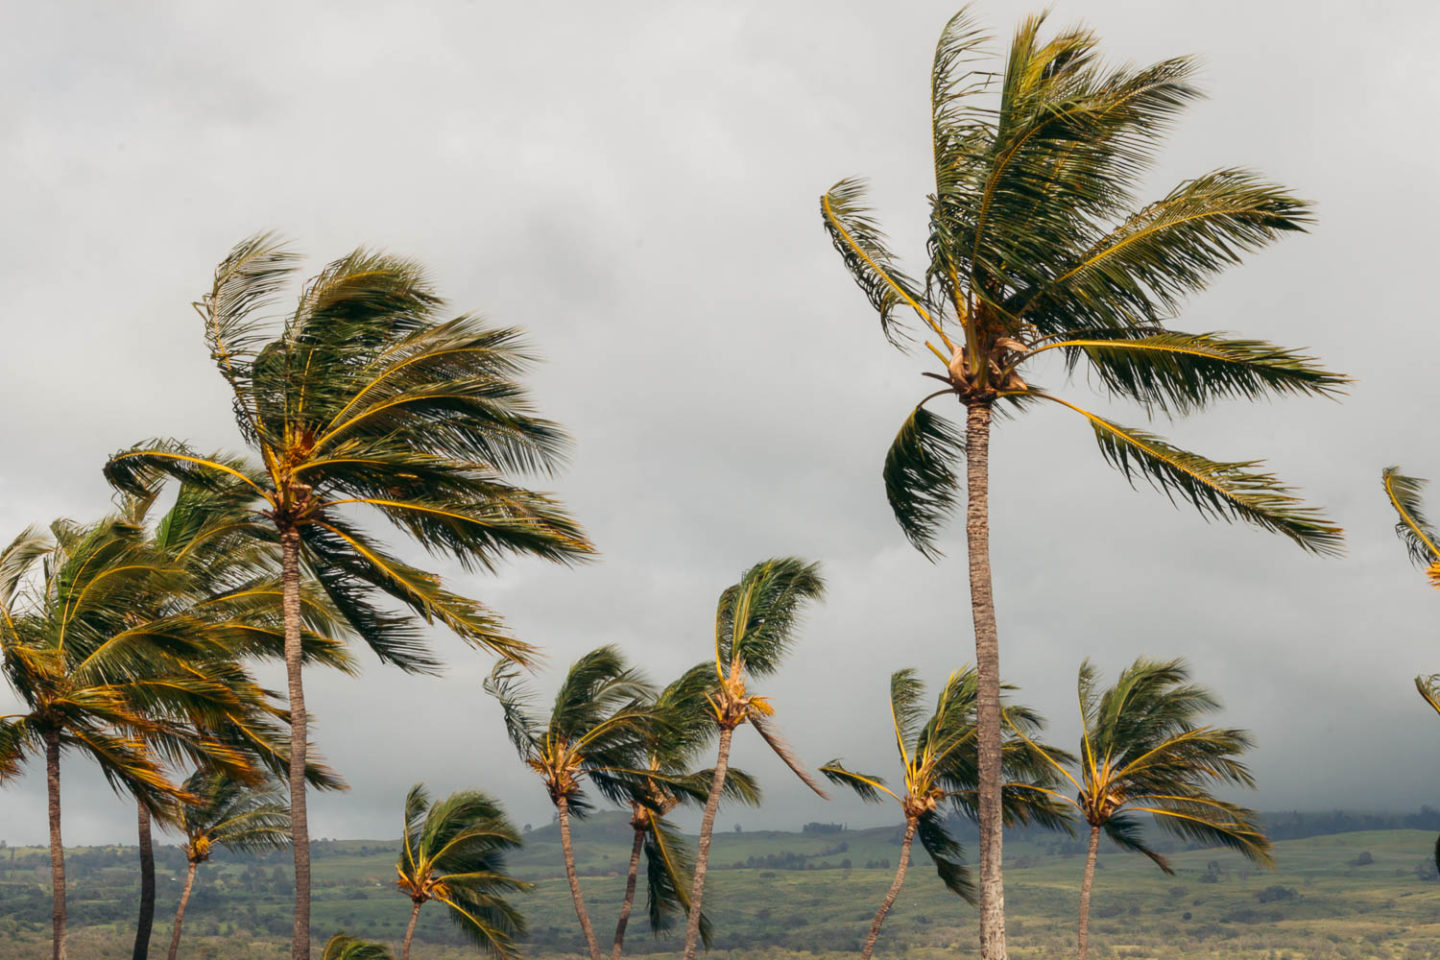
[[940, 762], [1143, 750], [682, 727], [97, 680], [1037, 245], [366, 404], [755, 623], [593, 732], [1423, 544], [454, 853], [225, 813]]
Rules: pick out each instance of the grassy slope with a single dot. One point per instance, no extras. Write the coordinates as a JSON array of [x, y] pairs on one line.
[[1337, 910]]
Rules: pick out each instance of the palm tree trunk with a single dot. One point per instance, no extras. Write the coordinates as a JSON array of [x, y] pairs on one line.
[[146, 923], [410, 930], [1084, 945], [299, 826], [874, 935], [57, 851], [180, 911], [562, 807], [987, 667], [702, 853], [624, 920]]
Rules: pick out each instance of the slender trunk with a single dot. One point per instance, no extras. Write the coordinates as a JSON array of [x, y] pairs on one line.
[[624, 920], [562, 806], [874, 935], [57, 851], [299, 826], [987, 667], [1084, 947], [146, 923], [702, 853], [410, 930], [180, 911]]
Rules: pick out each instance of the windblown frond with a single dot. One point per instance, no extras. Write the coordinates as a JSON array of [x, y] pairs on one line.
[[920, 479], [1413, 527], [862, 247]]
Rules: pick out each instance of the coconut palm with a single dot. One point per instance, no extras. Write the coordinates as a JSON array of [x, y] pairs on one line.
[[593, 733], [345, 947], [755, 623], [1037, 246], [454, 853], [1143, 750], [93, 678], [940, 761], [682, 727], [225, 812], [365, 404]]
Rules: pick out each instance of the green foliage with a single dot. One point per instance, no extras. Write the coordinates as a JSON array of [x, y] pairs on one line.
[[343, 947], [1037, 243], [454, 851], [364, 402], [227, 813]]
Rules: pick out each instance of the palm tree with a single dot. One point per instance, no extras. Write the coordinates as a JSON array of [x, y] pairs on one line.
[[1143, 750], [1420, 539], [366, 401], [344, 947], [1037, 244], [755, 623], [94, 678], [593, 732], [454, 853], [940, 761], [683, 726], [225, 813]]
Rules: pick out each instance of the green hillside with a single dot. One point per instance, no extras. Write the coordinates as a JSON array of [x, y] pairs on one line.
[[1353, 895]]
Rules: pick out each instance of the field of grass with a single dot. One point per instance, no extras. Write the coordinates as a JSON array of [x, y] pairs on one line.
[[1352, 895]]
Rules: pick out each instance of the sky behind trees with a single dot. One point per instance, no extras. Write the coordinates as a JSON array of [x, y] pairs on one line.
[[636, 185]]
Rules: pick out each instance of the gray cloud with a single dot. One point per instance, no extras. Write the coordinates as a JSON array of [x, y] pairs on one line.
[[635, 184]]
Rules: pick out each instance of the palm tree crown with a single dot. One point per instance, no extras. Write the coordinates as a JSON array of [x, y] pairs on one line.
[[454, 853], [1037, 244], [940, 763]]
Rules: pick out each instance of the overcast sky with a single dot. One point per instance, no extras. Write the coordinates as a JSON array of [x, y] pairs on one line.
[[636, 185]]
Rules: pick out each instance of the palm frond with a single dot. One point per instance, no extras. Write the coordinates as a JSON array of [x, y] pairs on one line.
[[1413, 527], [781, 749], [947, 854], [920, 479], [1219, 490], [862, 247]]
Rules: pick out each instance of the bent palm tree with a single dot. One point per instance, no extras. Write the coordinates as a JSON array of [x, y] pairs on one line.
[[366, 401], [96, 679], [1143, 750], [940, 762], [593, 732], [1037, 246], [755, 623], [230, 814], [454, 853], [682, 727]]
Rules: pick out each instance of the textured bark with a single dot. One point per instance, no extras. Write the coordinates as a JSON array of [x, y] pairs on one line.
[[562, 806], [57, 850], [410, 930], [1084, 936], [987, 667], [146, 923], [702, 853], [630, 876], [180, 910], [874, 935], [299, 825]]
